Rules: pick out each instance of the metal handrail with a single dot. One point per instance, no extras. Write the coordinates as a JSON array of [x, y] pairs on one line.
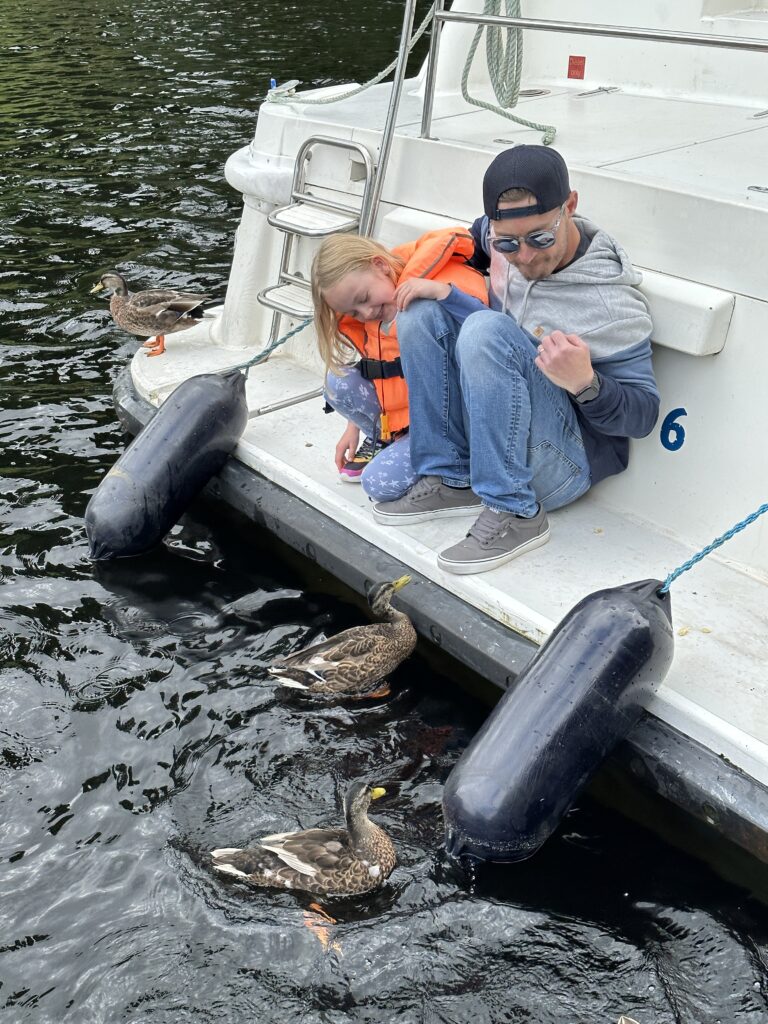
[[573, 27], [431, 76], [297, 189], [579, 28], [368, 219], [299, 172]]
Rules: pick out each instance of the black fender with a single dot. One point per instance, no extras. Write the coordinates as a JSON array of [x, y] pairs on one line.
[[581, 694], [167, 464]]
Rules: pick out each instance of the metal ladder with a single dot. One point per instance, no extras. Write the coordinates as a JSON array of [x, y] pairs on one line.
[[314, 217]]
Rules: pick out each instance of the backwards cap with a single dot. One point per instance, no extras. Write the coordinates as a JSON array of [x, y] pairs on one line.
[[539, 169]]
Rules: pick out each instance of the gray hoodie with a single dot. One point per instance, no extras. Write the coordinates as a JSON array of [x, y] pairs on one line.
[[597, 298]]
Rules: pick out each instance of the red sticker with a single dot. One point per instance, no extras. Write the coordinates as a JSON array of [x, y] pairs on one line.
[[576, 66]]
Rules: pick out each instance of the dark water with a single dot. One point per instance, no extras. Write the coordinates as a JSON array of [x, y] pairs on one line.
[[138, 729]]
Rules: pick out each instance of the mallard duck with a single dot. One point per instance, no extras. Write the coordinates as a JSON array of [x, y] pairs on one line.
[[355, 660], [152, 313], [324, 861]]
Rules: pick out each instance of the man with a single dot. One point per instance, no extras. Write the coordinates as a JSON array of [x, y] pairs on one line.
[[520, 409]]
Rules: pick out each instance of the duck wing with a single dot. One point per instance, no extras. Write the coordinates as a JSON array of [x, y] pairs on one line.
[[309, 852], [155, 300], [351, 645]]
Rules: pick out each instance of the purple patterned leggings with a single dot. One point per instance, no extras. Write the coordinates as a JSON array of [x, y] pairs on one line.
[[389, 475]]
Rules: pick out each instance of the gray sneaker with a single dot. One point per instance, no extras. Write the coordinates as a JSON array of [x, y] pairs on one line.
[[493, 539], [427, 499]]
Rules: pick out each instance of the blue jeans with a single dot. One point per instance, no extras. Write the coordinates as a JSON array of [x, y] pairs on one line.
[[390, 473], [483, 414]]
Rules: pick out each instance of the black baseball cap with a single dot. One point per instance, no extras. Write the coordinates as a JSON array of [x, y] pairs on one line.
[[540, 169]]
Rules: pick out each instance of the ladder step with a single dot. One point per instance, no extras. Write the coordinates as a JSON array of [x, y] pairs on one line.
[[292, 299], [314, 221]]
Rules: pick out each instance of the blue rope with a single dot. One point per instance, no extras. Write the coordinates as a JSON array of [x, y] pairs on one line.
[[267, 352], [711, 547]]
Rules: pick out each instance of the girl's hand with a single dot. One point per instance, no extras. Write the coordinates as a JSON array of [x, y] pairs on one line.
[[420, 288], [347, 446], [565, 360]]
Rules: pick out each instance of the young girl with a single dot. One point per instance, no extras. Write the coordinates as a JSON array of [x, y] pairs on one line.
[[358, 288]]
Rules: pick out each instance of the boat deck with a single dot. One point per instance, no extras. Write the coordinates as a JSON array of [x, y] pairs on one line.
[[674, 142], [591, 128], [717, 689]]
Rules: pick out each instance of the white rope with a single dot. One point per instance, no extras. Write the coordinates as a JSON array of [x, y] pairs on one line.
[[277, 97], [505, 65]]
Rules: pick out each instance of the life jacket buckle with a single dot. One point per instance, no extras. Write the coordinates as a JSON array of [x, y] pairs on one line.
[[380, 369]]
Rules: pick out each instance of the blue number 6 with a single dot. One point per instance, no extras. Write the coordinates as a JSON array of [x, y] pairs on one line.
[[672, 433]]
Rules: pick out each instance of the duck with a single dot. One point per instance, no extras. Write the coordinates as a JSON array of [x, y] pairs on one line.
[[354, 661], [322, 861], [152, 313]]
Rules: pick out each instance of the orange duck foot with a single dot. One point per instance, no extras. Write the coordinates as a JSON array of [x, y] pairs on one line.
[[318, 923], [383, 691], [321, 913], [155, 346]]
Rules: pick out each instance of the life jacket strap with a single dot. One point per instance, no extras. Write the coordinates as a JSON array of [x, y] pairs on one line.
[[380, 369]]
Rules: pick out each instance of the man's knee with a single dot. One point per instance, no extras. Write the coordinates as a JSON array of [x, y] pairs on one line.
[[487, 334]]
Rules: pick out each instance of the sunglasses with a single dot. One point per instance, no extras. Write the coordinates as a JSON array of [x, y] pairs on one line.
[[543, 238]]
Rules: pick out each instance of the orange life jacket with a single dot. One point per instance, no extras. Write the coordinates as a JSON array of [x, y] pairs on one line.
[[440, 256]]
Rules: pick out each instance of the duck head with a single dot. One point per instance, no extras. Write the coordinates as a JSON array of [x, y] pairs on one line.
[[380, 594], [113, 282], [358, 798]]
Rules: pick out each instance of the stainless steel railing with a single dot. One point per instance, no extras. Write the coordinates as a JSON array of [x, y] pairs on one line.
[[442, 17], [368, 219]]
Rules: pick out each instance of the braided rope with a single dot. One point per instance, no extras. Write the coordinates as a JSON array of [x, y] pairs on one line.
[[505, 65], [267, 352], [283, 98], [711, 547]]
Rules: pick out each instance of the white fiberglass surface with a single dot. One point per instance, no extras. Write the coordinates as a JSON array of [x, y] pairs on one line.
[[630, 132]]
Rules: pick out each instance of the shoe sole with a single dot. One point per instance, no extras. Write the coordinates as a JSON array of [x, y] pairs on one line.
[[350, 478], [410, 518], [466, 568]]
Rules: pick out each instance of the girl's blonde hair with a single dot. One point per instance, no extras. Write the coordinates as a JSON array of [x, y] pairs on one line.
[[338, 256]]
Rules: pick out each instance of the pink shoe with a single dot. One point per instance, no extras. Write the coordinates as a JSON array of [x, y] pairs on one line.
[[352, 471]]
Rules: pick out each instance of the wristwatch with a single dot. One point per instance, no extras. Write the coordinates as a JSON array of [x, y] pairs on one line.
[[592, 390]]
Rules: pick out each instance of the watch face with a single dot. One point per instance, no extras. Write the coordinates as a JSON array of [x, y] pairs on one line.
[[590, 391]]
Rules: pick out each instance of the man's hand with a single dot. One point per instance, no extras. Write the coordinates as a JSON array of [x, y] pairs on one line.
[[347, 446], [565, 360], [420, 288]]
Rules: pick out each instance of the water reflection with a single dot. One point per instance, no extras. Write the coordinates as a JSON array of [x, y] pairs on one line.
[[139, 729]]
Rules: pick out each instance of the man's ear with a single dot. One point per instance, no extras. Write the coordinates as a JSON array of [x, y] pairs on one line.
[[572, 202]]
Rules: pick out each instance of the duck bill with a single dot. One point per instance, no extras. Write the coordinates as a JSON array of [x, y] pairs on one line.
[[377, 792], [97, 288], [400, 583]]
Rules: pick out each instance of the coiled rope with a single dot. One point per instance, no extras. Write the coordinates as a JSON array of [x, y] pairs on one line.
[[711, 547], [504, 54]]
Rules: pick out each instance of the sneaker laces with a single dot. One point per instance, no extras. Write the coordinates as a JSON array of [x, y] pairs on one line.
[[488, 525], [369, 449], [424, 486]]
